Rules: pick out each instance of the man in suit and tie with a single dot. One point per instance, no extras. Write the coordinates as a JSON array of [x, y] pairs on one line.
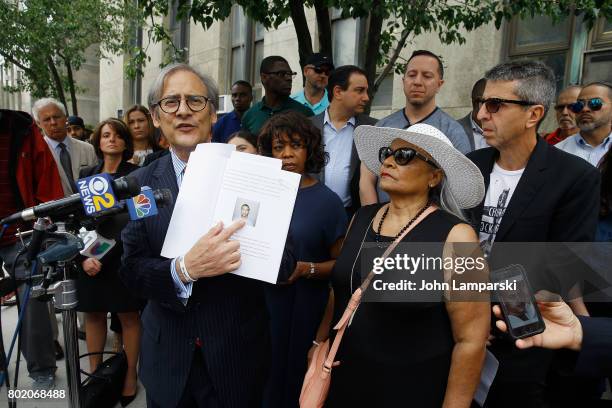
[[205, 341], [70, 154], [523, 205], [348, 97]]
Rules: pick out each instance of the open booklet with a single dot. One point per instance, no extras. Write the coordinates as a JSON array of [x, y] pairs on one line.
[[221, 184]]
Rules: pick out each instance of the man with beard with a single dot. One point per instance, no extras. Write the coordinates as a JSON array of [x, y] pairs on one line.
[[565, 117], [422, 81], [593, 116], [276, 78], [316, 74]]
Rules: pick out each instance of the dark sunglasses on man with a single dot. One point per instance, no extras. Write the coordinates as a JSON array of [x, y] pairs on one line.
[[403, 156], [594, 104], [282, 74], [561, 107], [324, 71], [492, 105]]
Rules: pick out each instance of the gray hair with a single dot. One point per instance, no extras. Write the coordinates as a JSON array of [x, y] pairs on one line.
[[536, 81], [155, 92], [41, 103]]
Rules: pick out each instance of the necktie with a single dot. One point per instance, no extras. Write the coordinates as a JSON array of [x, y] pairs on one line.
[[66, 164]]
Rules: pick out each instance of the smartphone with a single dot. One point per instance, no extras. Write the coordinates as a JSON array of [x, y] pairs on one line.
[[517, 302]]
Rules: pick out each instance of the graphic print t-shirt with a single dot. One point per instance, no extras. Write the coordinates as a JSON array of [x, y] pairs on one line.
[[501, 187]]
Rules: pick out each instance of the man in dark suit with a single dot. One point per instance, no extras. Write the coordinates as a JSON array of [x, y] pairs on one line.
[[205, 339], [470, 122], [347, 89], [535, 193]]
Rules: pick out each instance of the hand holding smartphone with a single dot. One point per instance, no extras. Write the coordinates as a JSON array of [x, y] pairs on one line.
[[518, 304]]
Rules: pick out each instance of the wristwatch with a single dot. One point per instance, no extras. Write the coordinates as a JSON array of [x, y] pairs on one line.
[[312, 270]]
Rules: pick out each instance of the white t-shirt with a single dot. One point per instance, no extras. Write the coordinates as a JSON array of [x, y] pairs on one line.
[[501, 187]]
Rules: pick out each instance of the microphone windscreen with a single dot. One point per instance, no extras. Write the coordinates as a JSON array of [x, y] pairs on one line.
[[163, 197], [111, 227], [126, 187]]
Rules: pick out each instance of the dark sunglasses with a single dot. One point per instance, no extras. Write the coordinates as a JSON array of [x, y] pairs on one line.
[[403, 156], [320, 71], [594, 104], [492, 105]]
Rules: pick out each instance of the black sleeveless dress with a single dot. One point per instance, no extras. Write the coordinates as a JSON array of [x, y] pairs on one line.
[[393, 354]]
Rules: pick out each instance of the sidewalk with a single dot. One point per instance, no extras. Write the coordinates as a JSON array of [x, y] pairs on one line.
[[9, 321]]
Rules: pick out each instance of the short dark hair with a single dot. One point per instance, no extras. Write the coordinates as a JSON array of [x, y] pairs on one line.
[[266, 63], [246, 135], [243, 83], [340, 77], [122, 131], [603, 84], [426, 53], [298, 128], [478, 88]]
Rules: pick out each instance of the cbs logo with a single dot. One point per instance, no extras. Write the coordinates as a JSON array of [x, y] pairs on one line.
[[102, 198]]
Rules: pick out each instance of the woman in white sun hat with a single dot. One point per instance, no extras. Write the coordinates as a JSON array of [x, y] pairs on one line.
[[400, 350]]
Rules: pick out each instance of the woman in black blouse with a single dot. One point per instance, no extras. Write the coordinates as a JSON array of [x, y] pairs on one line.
[[99, 288]]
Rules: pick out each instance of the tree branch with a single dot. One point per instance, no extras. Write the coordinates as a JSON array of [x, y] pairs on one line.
[[301, 29], [324, 26], [58, 82], [396, 53]]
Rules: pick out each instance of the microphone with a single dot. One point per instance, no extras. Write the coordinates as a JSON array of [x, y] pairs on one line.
[[123, 187], [99, 242]]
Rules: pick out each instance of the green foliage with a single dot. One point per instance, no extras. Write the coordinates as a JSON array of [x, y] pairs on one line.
[[40, 34]]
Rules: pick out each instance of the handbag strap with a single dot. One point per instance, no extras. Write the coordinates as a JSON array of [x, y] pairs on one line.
[[356, 296]]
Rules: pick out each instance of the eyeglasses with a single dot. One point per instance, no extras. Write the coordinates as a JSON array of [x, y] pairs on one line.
[[282, 74], [594, 104], [172, 104], [561, 107], [492, 105], [320, 71], [403, 156]]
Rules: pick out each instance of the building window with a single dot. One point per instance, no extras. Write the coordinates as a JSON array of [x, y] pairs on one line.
[[538, 38], [345, 31], [179, 33], [247, 49], [384, 96]]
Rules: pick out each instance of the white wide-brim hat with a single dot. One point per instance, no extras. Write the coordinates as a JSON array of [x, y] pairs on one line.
[[465, 182]]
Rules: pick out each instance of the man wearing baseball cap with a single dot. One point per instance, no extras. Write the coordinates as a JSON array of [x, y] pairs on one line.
[[75, 127], [316, 73]]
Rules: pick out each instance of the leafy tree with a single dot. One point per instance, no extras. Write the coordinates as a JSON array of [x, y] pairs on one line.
[[391, 24], [47, 40]]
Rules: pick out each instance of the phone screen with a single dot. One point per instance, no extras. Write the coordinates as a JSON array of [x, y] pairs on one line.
[[518, 303]]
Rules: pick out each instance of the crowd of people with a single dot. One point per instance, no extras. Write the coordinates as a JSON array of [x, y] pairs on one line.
[[198, 335]]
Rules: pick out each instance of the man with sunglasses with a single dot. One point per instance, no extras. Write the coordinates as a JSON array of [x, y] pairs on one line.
[[534, 193], [276, 78], [316, 74], [566, 118], [594, 118]]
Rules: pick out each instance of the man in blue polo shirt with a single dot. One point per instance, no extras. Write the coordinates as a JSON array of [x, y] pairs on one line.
[[242, 96], [316, 73]]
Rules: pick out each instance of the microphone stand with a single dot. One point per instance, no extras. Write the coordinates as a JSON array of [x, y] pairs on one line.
[[65, 299]]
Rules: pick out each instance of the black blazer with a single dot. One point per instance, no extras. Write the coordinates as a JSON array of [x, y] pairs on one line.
[[354, 172], [227, 313], [595, 358], [556, 200]]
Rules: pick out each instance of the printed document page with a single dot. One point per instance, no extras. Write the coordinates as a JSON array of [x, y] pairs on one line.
[[225, 185], [264, 198], [195, 204]]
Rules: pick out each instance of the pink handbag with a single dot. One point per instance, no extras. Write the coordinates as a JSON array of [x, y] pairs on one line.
[[318, 376]]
